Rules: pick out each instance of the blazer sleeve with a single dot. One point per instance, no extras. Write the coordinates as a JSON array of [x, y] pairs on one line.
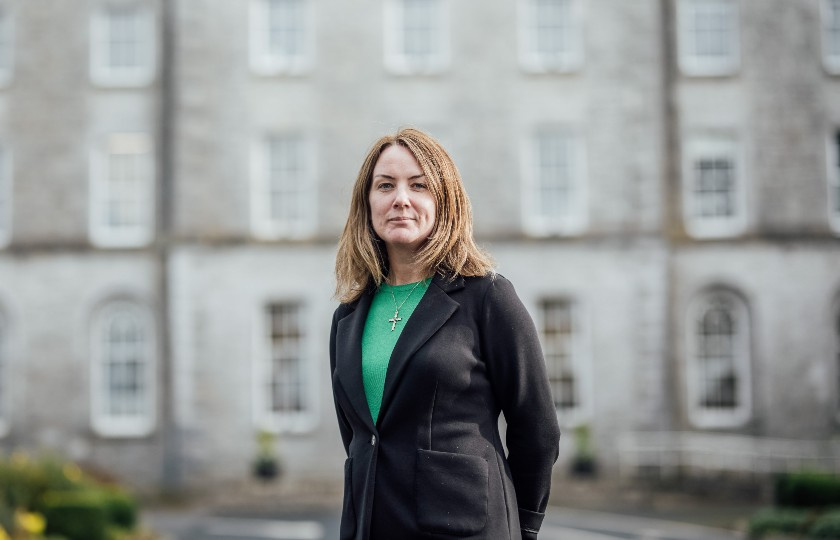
[[517, 372], [343, 424]]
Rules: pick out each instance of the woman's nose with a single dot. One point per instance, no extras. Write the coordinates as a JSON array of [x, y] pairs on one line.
[[401, 197]]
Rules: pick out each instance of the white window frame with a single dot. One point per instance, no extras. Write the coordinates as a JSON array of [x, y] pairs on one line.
[[6, 194], [581, 360], [7, 45], [108, 425], [703, 417], [833, 177], [101, 72], [535, 221], [397, 60], [265, 418], [831, 59], [534, 61], [102, 191], [694, 64], [266, 62], [266, 226], [711, 146]]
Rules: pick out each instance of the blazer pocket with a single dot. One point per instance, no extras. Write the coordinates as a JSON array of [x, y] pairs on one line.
[[451, 493], [348, 509]]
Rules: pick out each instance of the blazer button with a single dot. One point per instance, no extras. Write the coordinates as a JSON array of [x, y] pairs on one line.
[[373, 440]]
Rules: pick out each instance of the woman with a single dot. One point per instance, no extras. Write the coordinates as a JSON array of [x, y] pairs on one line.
[[427, 348]]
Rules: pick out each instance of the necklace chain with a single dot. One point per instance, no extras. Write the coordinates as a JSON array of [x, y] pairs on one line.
[[396, 318]]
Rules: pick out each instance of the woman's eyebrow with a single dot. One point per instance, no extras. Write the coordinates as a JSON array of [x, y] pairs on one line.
[[389, 177]]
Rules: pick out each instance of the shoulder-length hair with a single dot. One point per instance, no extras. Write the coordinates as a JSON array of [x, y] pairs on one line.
[[450, 250]]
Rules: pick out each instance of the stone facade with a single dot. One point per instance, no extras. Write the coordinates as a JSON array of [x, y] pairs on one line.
[[633, 271]]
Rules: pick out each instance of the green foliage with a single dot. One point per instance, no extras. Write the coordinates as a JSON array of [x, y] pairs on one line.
[[76, 515], [826, 526], [75, 505], [779, 521], [807, 489], [120, 507]]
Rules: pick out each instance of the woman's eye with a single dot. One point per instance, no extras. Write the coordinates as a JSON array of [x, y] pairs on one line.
[[385, 185], [419, 185]]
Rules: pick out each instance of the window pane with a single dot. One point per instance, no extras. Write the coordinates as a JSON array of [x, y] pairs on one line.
[[286, 376], [287, 179], [558, 339], [712, 28], [286, 27], [714, 187], [5, 42], [832, 28], [420, 18], [716, 355], [553, 26], [124, 38], [125, 364], [555, 186]]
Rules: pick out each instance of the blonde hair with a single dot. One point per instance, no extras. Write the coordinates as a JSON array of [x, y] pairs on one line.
[[362, 260]]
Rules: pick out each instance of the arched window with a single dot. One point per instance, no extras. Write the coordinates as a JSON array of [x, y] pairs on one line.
[[719, 375], [123, 375]]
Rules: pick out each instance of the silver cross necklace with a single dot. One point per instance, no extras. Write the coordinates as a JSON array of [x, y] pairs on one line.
[[396, 318]]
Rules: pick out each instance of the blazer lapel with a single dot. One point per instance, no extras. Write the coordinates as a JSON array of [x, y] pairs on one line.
[[348, 365], [431, 313]]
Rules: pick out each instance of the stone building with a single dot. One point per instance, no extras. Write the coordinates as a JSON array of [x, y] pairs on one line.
[[659, 178]]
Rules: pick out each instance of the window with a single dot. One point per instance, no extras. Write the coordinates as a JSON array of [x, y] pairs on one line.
[[713, 187], [6, 47], [719, 375], [551, 37], [416, 36], [834, 181], [5, 196], [831, 35], [286, 390], [123, 45], [283, 187], [555, 184], [281, 39], [123, 375], [562, 345], [708, 37], [122, 190]]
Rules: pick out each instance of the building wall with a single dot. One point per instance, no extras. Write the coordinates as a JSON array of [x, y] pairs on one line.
[[633, 269]]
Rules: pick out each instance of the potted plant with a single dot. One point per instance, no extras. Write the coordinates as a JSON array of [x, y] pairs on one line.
[[583, 463], [266, 465]]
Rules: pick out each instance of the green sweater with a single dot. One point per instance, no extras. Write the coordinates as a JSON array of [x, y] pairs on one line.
[[378, 340]]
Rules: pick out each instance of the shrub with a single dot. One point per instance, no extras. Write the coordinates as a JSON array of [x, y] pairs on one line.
[[76, 515], [826, 526], [120, 508], [779, 520], [807, 489]]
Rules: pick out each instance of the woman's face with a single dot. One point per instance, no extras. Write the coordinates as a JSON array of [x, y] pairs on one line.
[[402, 208]]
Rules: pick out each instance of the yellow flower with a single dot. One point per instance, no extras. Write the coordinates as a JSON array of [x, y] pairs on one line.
[[30, 522], [72, 472], [3, 534]]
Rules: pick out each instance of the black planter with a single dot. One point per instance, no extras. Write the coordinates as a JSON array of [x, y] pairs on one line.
[[583, 466], [266, 469]]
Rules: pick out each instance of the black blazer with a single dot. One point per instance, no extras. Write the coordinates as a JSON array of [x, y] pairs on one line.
[[434, 465]]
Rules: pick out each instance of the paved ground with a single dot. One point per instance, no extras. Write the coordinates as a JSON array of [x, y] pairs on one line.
[[322, 524]]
